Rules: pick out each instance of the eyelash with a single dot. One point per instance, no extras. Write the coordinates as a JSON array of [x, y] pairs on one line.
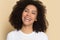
[[27, 11], [33, 13]]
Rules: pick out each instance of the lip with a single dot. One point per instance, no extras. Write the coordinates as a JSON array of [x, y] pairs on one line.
[[27, 19]]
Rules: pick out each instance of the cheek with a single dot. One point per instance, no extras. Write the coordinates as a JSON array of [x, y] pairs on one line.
[[34, 17], [23, 14]]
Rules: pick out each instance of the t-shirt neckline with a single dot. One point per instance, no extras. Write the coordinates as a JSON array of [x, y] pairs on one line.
[[25, 33]]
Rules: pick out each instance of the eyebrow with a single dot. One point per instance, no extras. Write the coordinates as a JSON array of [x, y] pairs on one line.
[[27, 8], [33, 10]]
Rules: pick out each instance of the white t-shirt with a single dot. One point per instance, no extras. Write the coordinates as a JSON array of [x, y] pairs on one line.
[[19, 35]]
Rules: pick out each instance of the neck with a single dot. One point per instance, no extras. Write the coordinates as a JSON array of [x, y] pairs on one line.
[[27, 29]]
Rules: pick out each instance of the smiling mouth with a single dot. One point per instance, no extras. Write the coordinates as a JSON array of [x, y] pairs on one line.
[[27, 19]]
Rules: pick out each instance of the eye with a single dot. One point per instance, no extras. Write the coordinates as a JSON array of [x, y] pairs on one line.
[[26, 10], [34, 13]]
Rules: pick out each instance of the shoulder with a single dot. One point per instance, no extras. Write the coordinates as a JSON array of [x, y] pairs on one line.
[[11, 35], [12, 32], [43, 35]]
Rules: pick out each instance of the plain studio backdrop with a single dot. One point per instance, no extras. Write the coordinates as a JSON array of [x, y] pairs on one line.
[[53, 17]]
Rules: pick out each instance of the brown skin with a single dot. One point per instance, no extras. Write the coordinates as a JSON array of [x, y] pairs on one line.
[[28, 17]]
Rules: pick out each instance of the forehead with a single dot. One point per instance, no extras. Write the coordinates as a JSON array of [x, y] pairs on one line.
[[31, 7]]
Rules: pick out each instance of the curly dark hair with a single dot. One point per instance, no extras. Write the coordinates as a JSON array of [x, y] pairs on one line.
[[16, 15]]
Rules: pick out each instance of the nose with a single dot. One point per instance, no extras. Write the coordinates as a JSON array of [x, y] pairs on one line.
[[28, 14]]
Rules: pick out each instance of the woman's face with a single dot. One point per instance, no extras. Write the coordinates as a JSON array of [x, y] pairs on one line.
[[29, 15]]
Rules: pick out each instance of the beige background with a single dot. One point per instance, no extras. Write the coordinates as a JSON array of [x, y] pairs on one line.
[[53, 14]]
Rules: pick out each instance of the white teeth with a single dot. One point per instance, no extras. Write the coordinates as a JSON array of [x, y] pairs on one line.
[[27, 19]]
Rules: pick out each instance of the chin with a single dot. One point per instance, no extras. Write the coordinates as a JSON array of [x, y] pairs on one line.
[[27, 24]]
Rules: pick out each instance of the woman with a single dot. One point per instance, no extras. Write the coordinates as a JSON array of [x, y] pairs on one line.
[[28, 18]]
